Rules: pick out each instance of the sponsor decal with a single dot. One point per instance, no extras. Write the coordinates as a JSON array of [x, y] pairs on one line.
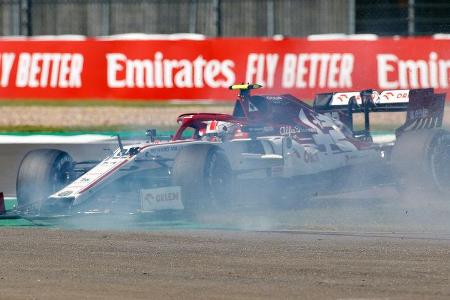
[[344, 98], [161, 72], [418, 114], [161, 198], [41, 70], [186, 69], [65, 193], [394, 72], [275, 99], [165, 149], [398, 96], [311, 157], [290, 130], [318, 70]]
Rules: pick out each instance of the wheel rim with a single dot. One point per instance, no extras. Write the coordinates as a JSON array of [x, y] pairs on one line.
[[218, 180], [61, 175]]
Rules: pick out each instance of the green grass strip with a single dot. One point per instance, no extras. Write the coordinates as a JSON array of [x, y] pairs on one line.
[[10, 203], [76, 130], [117, 103]]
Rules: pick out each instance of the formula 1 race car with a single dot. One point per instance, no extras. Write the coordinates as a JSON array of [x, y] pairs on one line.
[[276, 147]]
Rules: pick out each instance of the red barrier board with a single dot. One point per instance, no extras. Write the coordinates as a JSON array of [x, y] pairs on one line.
[[203, 69]]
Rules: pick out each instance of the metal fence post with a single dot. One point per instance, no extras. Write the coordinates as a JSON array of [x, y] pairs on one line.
[[25, 22], [351, 17], [106, 18], [411, 17], [193, 16], [29, 18], [21, 27], [217, 9], [270, 18]]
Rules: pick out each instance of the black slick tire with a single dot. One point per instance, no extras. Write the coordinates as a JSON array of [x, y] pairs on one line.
[[41, 173], [204, 174], [421, 161]]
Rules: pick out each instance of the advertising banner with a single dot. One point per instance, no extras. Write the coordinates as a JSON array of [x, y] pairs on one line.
[[203, 69]]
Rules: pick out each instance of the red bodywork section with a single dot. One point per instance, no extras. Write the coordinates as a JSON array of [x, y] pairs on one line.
[[197, 121], [265, 115]]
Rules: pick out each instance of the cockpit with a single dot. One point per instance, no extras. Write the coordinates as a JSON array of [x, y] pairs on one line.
[[209, 131], [209, 127]]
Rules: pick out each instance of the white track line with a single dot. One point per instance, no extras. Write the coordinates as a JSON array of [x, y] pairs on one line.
[[54, 139]]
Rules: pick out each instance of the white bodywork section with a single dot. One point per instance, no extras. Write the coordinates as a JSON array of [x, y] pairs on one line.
[[280, 156]]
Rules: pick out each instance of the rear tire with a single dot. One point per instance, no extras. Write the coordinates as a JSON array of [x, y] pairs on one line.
[[421, 161], [41, 173], [205, 177]]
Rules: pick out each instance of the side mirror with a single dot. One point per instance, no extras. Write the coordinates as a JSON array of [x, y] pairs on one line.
[[133, 151]]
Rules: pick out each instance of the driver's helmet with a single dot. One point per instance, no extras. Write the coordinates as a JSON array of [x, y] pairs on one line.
[[202, 132], [218, 129]]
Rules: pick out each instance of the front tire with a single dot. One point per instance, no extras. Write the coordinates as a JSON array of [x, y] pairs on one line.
[[205, 176], [41, 173]]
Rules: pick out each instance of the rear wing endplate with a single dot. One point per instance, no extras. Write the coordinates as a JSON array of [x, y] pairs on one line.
[[424, 108]]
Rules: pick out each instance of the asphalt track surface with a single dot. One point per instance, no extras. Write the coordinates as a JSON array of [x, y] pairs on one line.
[[57, 264], [354, 247]]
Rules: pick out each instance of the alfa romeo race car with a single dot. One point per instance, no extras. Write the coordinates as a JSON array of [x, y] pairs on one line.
[[272, 146]]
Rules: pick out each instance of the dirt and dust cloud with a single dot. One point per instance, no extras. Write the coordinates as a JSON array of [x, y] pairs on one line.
[[376, 208], [383, 209]]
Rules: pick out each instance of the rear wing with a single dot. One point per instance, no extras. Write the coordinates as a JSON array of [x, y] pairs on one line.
[[424, 108]]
